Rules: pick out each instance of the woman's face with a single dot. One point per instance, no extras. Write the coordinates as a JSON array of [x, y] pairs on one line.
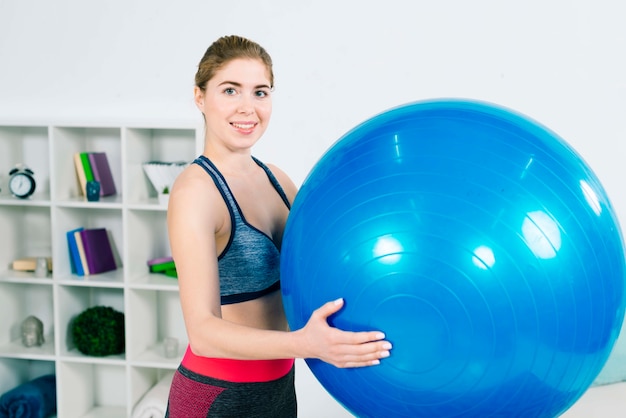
[[237, 103]]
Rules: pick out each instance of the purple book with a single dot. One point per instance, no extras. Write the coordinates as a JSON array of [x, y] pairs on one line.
[[98, 250], [160, 260], [102, 173]]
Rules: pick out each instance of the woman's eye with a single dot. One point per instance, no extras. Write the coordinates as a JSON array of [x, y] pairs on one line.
[[230, 91], [262, 93]]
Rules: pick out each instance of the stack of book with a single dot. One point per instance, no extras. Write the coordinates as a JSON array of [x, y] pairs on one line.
[[29, 264], [91, 251], [163, 265], [92, 166]]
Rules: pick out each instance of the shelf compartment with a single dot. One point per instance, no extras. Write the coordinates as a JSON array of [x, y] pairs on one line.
[[26, 232], [91, 390], [143, 379], [146, 238], [15, 372], [18, 302], [145, 145], [72, 218], [71, 302], [26, 145], [66, 141], [153, 316]]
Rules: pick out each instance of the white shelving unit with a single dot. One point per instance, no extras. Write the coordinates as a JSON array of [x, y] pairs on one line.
[[89, 386]]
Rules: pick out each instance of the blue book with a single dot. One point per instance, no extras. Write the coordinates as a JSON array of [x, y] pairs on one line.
[[75, 263]]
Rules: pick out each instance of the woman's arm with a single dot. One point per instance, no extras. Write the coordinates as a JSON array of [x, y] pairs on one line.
[[194, 219]]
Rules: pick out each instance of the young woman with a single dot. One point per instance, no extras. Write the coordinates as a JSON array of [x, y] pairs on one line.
[[226, 217]]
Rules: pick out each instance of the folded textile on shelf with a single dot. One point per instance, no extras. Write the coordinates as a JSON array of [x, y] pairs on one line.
[[154, 403], [34, 399]]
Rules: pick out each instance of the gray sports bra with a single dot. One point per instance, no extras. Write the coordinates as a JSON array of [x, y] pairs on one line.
[[249, 266]]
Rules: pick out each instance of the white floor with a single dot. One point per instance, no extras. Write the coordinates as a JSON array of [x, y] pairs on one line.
[[608, 401], [600, 402]]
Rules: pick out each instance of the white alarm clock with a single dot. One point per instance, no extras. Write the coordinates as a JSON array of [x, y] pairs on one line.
[[22, 182]]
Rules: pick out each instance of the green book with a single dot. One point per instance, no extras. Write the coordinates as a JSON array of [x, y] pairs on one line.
[[161, 267], [84, 157]]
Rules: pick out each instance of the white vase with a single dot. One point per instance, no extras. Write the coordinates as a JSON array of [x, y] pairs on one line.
[[164, 198]]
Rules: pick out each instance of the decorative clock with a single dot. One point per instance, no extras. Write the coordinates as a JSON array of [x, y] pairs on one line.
[[22, 182]]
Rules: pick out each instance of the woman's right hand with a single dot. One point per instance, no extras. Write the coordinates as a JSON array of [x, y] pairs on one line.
[[342, 349]]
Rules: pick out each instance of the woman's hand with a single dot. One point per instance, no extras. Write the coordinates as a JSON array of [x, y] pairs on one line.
[[341, 348]]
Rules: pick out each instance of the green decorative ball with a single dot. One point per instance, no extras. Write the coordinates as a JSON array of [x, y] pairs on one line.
[[99, 331]]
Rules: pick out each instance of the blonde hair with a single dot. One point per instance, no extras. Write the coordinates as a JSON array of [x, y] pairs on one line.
[[226, 49]]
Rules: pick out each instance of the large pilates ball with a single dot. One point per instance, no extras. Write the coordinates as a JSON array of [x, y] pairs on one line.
[[480, 243]]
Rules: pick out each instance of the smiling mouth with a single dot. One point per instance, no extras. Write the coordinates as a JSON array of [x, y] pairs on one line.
[[245, 126]]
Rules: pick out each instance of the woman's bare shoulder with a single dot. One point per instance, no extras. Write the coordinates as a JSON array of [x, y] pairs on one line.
[[194, 197]]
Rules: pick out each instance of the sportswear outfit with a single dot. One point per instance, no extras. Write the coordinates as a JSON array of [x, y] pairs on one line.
[[249, 267]]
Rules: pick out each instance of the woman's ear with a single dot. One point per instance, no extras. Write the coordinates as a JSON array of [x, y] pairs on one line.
[[198, 95]]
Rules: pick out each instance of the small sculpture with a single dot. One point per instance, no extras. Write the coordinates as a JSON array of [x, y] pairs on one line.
[[170, 347], [32, 332]]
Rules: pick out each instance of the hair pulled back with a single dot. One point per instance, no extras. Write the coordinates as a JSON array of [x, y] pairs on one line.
[[226, 49]]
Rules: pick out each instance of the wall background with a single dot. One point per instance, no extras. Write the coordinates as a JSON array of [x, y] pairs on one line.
[[561, 62]]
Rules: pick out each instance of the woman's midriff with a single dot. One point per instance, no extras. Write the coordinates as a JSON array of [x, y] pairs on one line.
[[264, 313]]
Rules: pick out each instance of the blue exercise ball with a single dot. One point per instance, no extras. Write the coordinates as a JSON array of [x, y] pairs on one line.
[[482, 245]]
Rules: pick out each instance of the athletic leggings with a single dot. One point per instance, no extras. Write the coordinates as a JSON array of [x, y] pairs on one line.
[[209, 387]]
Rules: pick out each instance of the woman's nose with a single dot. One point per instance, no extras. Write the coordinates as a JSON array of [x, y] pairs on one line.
[[245, 105]]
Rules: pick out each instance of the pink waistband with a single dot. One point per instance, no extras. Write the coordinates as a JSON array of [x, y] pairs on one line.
[[240, 371]]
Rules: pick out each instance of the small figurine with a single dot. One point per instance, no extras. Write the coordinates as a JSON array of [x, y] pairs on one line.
[[170, 347], [32, 332]]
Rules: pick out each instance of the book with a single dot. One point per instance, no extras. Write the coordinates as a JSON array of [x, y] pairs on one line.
[[94, 166], [82, 257], [84, 158], [80, 174], [98, 250], [159, 260], [29, 264], [171, 273], [102, 173], [75, 262], [161, 267]]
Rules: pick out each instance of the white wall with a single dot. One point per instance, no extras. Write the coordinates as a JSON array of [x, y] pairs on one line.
[[337, 63]]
